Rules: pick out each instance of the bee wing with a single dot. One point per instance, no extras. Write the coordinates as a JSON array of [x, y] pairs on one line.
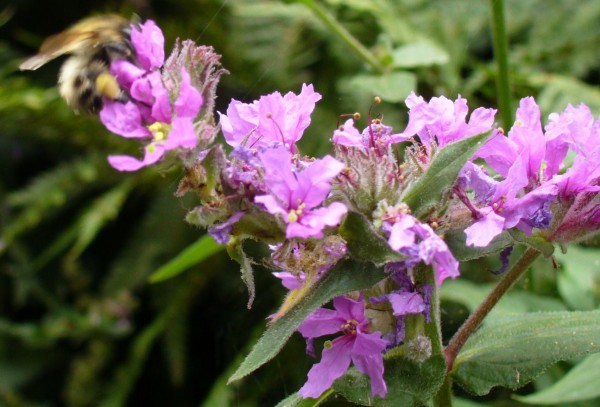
[[63, 43]]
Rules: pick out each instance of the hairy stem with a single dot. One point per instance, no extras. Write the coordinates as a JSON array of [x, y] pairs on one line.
[[343, 34], [473, 322]]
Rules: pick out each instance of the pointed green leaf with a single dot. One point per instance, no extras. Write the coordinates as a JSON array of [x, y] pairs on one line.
[[427, 191], [235, 249], [409, 383], [581, 383], [515, 301], [194, 254], [578, 277], [421, 53], [344, 277], [296, 400], [104, 209], [364, 243], [456, 241], [514, 350], [393, 87]]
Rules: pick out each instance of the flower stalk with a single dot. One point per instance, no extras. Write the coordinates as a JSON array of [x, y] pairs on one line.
[[477, 317], [342, 33]]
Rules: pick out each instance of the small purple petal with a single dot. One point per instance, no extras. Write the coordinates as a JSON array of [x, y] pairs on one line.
[[149, 44], [123, 119]]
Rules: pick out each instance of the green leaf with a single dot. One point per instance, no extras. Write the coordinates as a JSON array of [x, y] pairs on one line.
[[456, 241], [581, 383], [514, 350], [344, 277], [393, 87], [235, 249], [409, 383], [296, 400], [194, 254], [104, 209], [363, 241], [514, 302], [419, 54], [50, 192], [535, 242], [578, 278], [427, 191]]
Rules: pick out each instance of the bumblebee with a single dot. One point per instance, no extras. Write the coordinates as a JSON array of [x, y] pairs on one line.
[[92, 44]]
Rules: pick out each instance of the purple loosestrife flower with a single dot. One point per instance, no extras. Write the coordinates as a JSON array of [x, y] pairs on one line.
[[418, 242], [356, 345], [504, 204], [149, 114], [222, 231], [525, 139], [443, 119], [296, 196], [273, 120], [530, 161], [170, 127], [376, 134], [578, 200], [347, 135]]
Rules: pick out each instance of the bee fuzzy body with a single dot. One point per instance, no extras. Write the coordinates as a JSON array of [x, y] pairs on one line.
[[92, 45]]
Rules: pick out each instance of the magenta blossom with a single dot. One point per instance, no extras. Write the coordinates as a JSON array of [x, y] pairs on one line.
[[273, 120], [443, 119], [357, 345], [169, 127], [506, 204], [347, 135], [150, 114], [375, 135], [297, 196], [418, 242]]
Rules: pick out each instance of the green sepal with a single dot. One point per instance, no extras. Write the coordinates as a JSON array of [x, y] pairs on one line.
[[409, 383], [235, 250], [427, 191], [456, 241], [363, 241]]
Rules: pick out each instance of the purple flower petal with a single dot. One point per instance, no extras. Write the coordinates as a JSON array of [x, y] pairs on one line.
[[334, 363], [123, 119], [149, 44], [189, 101]]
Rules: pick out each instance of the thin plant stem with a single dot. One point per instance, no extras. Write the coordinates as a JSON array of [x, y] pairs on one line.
[[501, 56], [443, 398], [433, 330], [473, 322], [343, 34]]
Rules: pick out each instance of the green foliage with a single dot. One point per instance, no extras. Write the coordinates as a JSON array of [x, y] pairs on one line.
[[190, 256], [514, 350], [79, 323], [344, 277], [410, 383], [427, 191], [577, 385], [363, 241]]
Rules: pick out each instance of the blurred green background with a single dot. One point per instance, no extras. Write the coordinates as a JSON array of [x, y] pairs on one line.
[[80, 325]]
